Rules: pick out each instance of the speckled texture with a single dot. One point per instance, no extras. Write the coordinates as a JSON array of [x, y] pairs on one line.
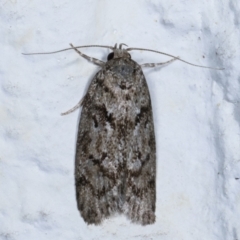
[[115, 169], [195, 112]]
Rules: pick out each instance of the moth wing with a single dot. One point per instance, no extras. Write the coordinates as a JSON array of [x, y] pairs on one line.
[[115, 165], [141, 163], [95, 176]]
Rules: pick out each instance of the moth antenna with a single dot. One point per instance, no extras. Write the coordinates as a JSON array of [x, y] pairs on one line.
[[121, 44], [166, 54], [66, 49]]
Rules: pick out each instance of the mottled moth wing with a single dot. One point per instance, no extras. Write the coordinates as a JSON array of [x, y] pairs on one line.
[[115, 165]]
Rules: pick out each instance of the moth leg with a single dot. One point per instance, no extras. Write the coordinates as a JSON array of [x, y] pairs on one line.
[[157, 64], [91, 59], [74, 108]]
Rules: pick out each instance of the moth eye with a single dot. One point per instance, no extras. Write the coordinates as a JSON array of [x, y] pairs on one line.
[[110, 56]]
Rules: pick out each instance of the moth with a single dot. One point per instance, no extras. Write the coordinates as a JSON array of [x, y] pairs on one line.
[[115, 161]]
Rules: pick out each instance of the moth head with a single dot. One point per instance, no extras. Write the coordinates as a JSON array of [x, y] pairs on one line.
[[118, 52]]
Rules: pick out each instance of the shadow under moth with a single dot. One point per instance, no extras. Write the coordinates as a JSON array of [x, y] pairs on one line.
[[115, 162]]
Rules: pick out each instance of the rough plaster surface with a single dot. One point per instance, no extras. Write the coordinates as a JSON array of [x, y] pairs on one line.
[[196, 114]]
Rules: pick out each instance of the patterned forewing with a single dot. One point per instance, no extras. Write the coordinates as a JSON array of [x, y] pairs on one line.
[[115, 156]]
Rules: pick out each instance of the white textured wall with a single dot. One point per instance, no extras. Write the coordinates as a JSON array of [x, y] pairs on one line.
[[196, 114]]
